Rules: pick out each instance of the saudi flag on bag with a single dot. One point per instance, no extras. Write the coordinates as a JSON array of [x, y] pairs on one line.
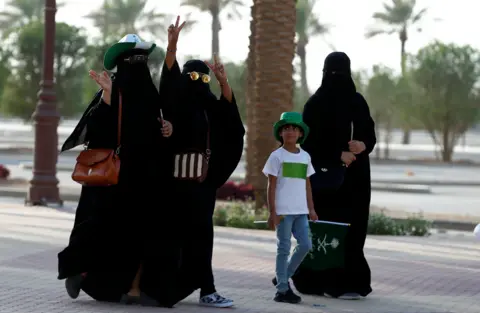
[[328, 246]]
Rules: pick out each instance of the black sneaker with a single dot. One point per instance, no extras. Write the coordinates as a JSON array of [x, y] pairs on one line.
[[73, 285], [287, 297]]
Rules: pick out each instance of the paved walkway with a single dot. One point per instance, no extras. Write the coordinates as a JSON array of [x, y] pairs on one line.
[[425, 275]]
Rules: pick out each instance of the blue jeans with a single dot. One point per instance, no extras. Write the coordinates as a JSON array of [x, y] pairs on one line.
[[285, 268]]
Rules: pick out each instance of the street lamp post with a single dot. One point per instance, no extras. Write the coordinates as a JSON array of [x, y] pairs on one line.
[[44, 184]]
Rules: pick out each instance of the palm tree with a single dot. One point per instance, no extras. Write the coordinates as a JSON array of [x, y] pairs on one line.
[[215, 7], [250, 99], [116, 18], [397, 18], [274, 53], [307, 26], [19, 13]]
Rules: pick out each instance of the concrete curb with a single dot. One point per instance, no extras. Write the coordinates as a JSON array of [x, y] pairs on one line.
[[12, 192], [71, 196], [411, 188], [428, 182]]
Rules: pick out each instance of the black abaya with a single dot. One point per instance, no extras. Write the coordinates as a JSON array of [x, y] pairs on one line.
[[119, 228], [190, 101], [329, 120]]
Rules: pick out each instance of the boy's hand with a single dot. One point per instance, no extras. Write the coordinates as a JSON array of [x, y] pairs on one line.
[[313, 215], [273, 221]]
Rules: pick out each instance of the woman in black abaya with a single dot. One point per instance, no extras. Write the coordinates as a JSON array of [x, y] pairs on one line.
[[330, 113], [209, 125], [116, 237]]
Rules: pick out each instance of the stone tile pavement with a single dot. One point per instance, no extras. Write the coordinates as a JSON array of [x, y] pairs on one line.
[[440, 274]]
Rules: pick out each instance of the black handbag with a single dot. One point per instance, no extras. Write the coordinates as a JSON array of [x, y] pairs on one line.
[[329, 177]]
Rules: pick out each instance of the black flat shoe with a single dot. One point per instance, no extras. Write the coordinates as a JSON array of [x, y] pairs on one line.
[[129, 300], [149, 301], [73, 285]]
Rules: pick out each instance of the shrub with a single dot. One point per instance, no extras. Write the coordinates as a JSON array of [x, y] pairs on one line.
[[220, 217], [380, 224], [241, 214], [416, 225]]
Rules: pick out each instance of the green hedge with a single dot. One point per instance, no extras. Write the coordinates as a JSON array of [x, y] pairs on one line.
[[242, 215]]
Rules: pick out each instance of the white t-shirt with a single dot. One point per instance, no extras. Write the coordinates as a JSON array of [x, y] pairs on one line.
[[291, 170]]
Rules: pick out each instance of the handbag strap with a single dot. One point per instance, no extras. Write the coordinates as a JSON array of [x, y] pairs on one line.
[[207, 151], [119, 129], [351, 130]]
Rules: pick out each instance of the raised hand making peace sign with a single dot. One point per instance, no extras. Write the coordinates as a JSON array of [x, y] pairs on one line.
[[173, 32], [218, 69]]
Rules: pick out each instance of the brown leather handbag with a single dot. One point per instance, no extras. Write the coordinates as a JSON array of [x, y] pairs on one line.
[[100, 167], [193, 164]]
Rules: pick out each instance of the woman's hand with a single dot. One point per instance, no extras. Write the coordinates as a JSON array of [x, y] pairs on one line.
[[167, 128], [348, 157], [356, 146], [103, 81], [218, 70], [174, 32]]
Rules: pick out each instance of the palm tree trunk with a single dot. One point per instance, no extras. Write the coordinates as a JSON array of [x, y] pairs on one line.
[[250, 101], [302, 54], [215, 12], [274, 53], [403, 55]]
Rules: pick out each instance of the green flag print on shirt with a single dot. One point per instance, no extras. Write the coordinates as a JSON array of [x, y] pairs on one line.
[[294, 170]]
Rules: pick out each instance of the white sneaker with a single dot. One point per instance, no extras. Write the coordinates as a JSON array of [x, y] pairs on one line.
[[216, 300]]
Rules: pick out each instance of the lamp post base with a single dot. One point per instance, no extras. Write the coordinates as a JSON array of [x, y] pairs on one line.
[[43, 191]]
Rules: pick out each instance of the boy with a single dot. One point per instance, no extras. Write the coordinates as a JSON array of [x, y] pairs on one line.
[[289, 200]]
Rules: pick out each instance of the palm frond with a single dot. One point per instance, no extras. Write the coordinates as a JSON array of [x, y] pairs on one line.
[[198, 4], [384, 17], [420, 14], [375, 32]]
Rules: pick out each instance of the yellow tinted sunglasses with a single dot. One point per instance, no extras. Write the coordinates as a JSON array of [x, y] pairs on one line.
[[197, 75]]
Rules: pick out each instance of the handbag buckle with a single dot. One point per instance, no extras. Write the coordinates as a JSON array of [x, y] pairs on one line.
[[117, 151], [323, 169]]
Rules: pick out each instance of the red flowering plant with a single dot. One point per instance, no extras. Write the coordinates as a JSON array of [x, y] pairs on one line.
[[4, 172], [232, 191]]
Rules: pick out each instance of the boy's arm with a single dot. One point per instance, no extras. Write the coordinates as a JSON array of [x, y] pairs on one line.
[[271, 190], [309, 196]]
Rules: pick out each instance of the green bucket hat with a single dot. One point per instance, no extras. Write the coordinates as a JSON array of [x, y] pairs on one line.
[[130, 41], [291, 118]]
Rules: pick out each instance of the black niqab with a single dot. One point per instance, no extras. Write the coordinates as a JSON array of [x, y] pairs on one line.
[[337, 79], [331, 103], [195, 92], [194, 102], [140, 103]]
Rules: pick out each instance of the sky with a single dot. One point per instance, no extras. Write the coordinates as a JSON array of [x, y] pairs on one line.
[[451, 21]]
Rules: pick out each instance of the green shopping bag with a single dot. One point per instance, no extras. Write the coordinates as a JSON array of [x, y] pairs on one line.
[[328, 246]]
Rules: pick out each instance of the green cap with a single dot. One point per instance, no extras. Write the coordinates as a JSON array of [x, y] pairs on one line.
[[291, 118]]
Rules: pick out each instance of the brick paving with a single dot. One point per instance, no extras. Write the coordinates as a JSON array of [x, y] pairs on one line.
[[439, 274]]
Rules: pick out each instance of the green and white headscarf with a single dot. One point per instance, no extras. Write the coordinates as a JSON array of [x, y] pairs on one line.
[[129, 42]]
